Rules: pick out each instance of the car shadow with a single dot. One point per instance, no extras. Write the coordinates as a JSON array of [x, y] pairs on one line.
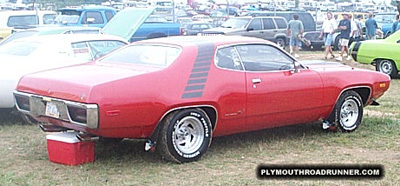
[[133, 150]]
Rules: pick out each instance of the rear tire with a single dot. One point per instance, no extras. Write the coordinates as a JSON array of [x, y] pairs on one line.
[[387, 67], [185, 135], [348, 111]]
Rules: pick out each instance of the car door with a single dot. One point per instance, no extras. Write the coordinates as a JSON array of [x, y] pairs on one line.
[[277, 93], [269, 29], [254, 29]]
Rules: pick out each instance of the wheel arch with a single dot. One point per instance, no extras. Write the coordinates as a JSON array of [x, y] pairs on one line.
[[364, 91], [374, 62], [210, 110]]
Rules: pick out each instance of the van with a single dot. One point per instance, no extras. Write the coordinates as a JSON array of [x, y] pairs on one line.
[[11, 19]]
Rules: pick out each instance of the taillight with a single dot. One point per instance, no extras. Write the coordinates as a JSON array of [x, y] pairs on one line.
[[23, 102], [181, 30], [77, 114]]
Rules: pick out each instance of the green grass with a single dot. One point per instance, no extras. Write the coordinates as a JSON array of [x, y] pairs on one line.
[[231, 160]]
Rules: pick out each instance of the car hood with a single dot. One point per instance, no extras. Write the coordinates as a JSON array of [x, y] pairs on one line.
[[322, 65], [222, 30], [76, 82], [127, 22]]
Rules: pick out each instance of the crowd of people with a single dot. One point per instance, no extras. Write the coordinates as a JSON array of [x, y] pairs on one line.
[[349, 28]]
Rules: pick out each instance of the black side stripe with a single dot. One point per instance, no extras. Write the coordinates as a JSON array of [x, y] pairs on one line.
[[198, 76], [355, 50]]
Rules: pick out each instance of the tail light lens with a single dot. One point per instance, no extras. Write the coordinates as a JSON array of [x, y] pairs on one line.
[[181, 30], [78, 114], [23, 102]]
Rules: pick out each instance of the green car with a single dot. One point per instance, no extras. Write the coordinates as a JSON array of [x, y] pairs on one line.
[[384, 54]]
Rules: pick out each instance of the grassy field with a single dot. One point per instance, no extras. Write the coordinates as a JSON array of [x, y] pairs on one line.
[[231, 160]]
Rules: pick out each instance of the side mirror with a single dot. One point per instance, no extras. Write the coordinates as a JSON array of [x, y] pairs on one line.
[[398, 41], [296, 68], [250, 29]]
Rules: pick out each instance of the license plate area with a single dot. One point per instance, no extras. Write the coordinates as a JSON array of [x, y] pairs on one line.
[[52, 110]]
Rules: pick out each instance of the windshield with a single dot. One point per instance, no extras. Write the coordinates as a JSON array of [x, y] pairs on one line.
[[236, 23], [385, 18], [144, 55]]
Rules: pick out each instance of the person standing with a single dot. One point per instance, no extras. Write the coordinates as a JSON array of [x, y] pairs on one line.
[[295, 30], [358, 32], [328, 28], [371, 27], [345, 30], [395, 24]]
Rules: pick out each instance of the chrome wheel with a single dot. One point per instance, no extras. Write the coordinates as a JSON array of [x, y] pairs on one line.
[[386, 67], [188, 135], [349, 113]]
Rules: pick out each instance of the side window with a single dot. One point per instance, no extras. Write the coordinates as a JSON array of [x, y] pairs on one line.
[[109, 15], [264, 58], [81, 51], [195, 27], [228, 58], [92, 18], [268, 23], [280, 22], [48, 18], [22, 20], [255, 24]]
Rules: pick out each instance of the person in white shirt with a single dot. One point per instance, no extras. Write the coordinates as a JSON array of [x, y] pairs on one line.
[[328, 28]]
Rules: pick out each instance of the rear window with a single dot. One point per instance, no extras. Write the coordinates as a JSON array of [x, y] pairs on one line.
[[49, 18], [144, 55], [22, 20], [18, 35], [19, 48]]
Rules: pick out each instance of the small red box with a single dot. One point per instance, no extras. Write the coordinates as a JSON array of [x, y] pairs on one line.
[[67, 149]]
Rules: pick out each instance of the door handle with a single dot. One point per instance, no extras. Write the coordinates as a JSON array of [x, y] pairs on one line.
[[256, 81]]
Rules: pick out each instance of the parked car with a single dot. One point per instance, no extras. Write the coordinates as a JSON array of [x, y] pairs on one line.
[[11, 19], [385, 21], [305, 17], [269, 28], [384, 53], [95, 16], [37, 53], [156, 26], [204, 18], [49, 30], [196, 27], [211, 86]]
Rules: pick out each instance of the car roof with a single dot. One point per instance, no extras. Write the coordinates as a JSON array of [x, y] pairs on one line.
[[27, 12], [88, 8], [196, 40], [60, 29], [72, 38]]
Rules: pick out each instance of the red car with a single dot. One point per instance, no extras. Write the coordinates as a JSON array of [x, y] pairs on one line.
[[179, 92]]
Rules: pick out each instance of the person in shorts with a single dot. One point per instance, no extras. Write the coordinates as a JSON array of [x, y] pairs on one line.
[[328, 28], [345, 30], [295, 30]]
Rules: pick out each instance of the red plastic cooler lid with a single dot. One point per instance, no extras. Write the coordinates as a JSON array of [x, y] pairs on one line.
[[67, 137]]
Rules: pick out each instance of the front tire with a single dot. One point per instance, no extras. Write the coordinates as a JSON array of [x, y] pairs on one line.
[[387, 67], [185, 135], [281, 43], [348, 111]]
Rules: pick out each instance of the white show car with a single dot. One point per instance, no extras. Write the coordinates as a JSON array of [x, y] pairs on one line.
[[37, 53]]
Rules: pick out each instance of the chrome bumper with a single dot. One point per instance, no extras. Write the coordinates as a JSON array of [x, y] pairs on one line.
[[37, 107]]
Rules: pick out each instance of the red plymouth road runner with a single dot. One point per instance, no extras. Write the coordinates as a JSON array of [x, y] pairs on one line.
[[179, 92]]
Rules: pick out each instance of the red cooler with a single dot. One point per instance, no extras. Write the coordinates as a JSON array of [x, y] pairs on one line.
[[67, 149]]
